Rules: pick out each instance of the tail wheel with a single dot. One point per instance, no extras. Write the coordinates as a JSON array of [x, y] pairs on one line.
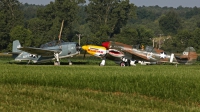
[[122, 64]]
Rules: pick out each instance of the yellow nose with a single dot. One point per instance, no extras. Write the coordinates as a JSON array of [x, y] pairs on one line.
[[84, 47]]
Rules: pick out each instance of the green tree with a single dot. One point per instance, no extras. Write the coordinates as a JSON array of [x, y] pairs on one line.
[[170, 45], [144, 13], [128, 35], [170, 23], [198, 24], [196, 39], [194, 11], [21, 34], [144, 35], [30, 10], [54, 13], [192, 23], [38, 26], [184, 39], [107, 17], [10, 16]]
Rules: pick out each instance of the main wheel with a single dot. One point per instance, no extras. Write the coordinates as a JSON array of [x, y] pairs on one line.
[[122, 64], [101, 64], [56, 63], [70, 63]]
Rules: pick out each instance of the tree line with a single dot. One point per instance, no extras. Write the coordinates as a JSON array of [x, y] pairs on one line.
[[168, 28]]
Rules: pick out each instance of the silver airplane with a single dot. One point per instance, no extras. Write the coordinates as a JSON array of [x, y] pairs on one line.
[[54, 50]]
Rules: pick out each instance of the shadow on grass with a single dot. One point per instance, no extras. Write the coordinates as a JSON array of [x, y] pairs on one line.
[[75, 61], [48, 63]]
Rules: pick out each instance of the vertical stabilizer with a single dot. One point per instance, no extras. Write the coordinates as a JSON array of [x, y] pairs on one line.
[[16, 45], [189, 56]]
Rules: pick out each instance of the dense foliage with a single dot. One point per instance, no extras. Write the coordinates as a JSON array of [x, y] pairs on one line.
[[10, 16], [169, 28]]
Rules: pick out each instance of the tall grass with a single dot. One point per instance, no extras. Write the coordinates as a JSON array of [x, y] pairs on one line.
[[165, 82], [156, 87]]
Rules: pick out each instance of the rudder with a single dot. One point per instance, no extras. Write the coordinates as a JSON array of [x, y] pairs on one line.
[[16, 45], [190, 52]]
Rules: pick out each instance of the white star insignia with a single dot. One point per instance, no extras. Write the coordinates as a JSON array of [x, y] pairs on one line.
[[162, 55]]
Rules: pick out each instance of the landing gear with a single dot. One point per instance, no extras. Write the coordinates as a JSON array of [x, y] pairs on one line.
[[133, 63], [125, 62], [122, 64], [28, 62], [57, 62], [128, 63], [70, 63], [102, 62]]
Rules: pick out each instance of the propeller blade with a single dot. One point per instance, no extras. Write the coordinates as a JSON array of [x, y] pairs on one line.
[[78, 48], [85, 50], [84, 54]]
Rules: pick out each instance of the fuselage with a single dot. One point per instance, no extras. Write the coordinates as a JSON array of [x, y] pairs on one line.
[[151, 54], [94, 50], [47, 51]]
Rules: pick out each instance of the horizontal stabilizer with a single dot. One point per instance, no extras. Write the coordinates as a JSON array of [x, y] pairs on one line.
[[14, 53], [189, 56]]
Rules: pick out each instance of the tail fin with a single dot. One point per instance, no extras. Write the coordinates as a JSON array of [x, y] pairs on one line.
[[189, 56], [15, 52], [15, 47], [20, 55]]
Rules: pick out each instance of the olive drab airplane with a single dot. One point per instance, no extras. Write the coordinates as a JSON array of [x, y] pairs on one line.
[[46, 52], [127, 55]]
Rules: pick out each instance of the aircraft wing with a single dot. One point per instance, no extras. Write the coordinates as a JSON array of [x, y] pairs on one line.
[[135, 54], [39, 51]]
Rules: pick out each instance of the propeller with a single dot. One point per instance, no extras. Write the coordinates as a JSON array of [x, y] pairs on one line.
[[79, 42], [85, 50], [84, 54], [78, 47]]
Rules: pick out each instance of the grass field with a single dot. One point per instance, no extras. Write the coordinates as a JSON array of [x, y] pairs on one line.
[[85, 86]]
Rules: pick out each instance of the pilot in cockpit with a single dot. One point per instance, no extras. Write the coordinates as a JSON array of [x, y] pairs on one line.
[[139, 46]]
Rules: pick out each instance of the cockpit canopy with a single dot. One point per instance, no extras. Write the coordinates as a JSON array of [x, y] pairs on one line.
[[52, 43], [149, 49], [146, 48]]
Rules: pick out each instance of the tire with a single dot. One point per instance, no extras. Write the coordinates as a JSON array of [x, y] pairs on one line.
[[100, 64], [122, 64], [56, 63]]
